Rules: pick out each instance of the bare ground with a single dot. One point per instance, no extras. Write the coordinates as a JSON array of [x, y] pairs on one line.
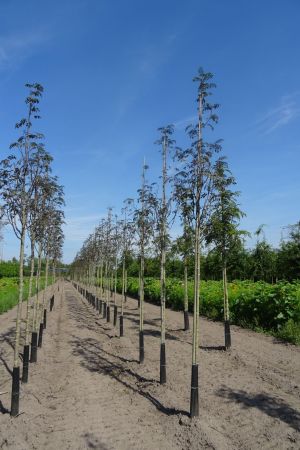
[[88, 390]]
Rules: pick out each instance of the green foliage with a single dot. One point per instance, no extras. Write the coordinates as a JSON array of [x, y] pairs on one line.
[[290, 331], [289, 255], [11, 269], [9, 291], [271, 307]]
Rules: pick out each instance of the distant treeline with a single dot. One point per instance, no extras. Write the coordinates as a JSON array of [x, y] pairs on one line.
[[11, 268], [262, 263]]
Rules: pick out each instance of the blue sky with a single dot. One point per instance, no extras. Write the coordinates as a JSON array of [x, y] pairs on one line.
[[115, 71]]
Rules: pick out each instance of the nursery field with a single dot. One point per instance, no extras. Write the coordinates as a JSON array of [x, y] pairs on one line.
[[9, 291], [88, 389], [272, 308]]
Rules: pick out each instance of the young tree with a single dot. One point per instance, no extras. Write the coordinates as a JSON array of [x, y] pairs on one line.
[[116, 250], [128, 231], [17, 181], [37, 212], [223, 228], [194, 194], [165, 142], [51, 217], [144, 220], [108, 255]]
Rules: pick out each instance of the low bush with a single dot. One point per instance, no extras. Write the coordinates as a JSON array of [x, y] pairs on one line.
[[257, 305]]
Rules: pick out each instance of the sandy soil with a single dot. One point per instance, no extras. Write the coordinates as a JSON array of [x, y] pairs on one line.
[[88, 390]]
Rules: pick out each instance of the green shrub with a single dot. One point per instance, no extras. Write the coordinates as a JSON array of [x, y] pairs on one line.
[[256, 305], [290, 332]]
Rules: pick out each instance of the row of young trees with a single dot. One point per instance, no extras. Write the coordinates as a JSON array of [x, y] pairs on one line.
[[200, 196], [31, 201]]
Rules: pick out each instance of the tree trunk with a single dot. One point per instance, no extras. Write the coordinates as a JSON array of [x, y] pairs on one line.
[[15, 395], [125, 285], [34, 335], [163, 368], [186, 298], [194, 404], [227, 333], [141, 307], [27, 328], [123, 293], [163, 364], [45, 302]]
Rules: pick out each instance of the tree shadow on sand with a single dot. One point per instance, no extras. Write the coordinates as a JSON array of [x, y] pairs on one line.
[[3, 410], [211, 348], [88, 319], [273, 407], [7, 338], [94, 361], [154, 333], [5, 365]]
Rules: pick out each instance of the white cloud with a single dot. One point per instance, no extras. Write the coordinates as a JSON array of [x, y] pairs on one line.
[[16, 48], [148, 61], [281, 115], [183, 123], [156, 54]]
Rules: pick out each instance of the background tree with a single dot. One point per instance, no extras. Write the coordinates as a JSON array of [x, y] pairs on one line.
[[289, 254], [223, 228], [263, 257], [183, 246]]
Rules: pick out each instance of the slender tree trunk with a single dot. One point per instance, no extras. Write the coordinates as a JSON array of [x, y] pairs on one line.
[[101, 288], [142, 271], [163, 363], [26, 350], [194, 404], [141, 306], [34, 334], [45, 301], [106, 291], [226, 310], [123, 297], [101, 279], [40, 311], [98, 282], [186, 298], [15, 394], [115, 293], [125, 285]]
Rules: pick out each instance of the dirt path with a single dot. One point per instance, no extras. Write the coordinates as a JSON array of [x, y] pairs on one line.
[[88, 390]]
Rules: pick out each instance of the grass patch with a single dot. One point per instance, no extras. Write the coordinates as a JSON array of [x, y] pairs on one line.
[[9, 291]]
